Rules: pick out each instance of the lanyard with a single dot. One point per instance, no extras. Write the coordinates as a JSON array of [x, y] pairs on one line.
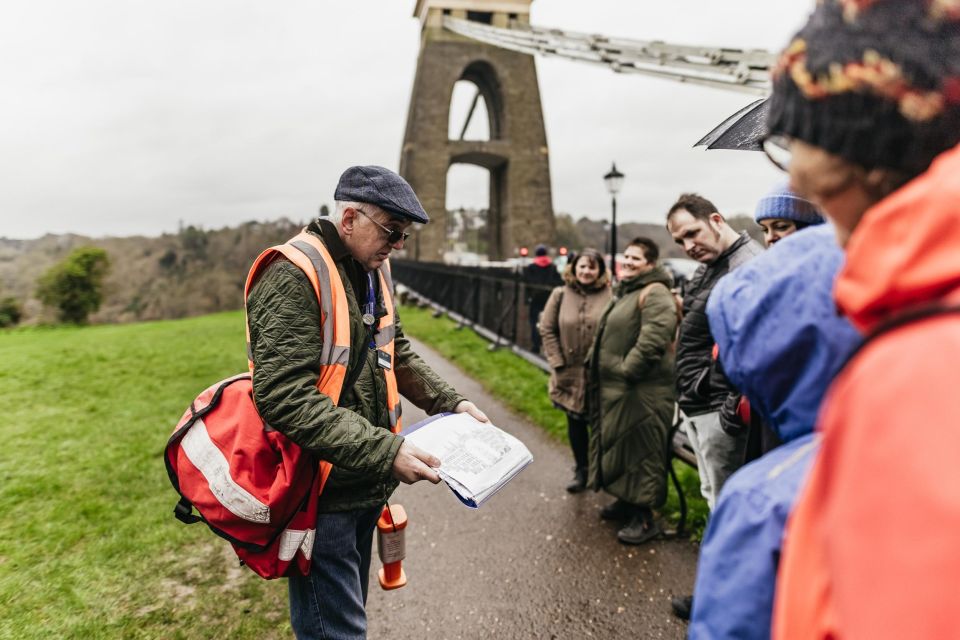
[[370, 308]]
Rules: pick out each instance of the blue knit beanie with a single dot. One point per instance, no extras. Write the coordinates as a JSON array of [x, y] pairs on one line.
[[783, 203]]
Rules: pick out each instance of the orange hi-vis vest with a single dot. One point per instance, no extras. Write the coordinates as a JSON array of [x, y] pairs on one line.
[[249, 483]]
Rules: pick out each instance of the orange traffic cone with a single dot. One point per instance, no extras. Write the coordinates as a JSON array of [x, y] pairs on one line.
[[391, 546]]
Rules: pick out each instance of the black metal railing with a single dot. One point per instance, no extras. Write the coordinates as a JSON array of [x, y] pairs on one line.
[[491, 299]]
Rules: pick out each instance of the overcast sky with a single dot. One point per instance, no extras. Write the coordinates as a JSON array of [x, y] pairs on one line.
[[124, 117]]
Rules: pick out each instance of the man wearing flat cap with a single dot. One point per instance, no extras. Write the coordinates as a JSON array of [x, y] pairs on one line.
[[374, 209]]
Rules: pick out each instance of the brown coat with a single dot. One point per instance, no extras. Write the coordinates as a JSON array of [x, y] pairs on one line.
[[567, 327]]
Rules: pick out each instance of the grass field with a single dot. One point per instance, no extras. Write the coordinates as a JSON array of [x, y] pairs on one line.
[[88, 544]]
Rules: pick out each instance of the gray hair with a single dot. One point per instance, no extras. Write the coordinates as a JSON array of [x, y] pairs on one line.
[[336, 216]]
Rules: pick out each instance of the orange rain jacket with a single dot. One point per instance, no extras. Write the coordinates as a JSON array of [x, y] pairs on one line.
[[872, 549]]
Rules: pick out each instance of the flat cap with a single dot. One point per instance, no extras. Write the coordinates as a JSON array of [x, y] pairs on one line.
[[376, 185]]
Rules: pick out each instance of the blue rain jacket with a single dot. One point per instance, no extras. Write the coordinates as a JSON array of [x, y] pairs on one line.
[[781, 341]]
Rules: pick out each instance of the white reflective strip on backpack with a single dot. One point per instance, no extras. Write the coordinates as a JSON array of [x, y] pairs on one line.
[[293, 539], [211, 462]]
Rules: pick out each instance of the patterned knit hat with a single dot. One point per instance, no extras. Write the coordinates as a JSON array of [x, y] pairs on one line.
[[876, 82], [783, 203]]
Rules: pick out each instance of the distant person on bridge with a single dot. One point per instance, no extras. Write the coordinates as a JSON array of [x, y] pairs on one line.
[[705, 236], [631, 393], [539, 279], [288, 340], [865, 116], [567, 327]]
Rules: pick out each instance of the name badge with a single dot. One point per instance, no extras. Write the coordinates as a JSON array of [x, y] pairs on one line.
[[383, 359]]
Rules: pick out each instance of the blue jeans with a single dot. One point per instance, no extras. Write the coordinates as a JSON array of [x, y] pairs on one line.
[[329, 604]]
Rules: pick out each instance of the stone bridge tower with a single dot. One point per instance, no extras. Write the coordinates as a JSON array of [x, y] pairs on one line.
[[520, 205]]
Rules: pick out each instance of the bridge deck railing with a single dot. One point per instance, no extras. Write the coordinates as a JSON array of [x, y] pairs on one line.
[[490, 299]]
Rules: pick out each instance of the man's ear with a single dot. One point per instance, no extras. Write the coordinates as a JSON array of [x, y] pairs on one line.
[[347, 221], [717, 220]]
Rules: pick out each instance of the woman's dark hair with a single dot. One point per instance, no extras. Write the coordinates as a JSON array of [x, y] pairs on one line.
[[570, 272], [650, 249], [594, 256]]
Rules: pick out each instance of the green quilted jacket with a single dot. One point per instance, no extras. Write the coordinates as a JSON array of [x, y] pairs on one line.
[[286, 342]]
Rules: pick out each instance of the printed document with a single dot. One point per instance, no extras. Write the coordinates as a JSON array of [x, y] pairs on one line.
[[476, 458]]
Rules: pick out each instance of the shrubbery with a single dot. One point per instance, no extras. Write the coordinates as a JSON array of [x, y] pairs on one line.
[[75, 286], [10, 312]]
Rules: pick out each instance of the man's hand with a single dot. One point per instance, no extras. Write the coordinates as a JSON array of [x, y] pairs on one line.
[[465, 406], [413, 464]]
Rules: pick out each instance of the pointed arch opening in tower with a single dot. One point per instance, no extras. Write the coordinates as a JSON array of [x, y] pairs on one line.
[[469, 118]]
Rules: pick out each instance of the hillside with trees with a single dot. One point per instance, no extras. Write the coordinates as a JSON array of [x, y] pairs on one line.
[[196, 271], [189, 273]]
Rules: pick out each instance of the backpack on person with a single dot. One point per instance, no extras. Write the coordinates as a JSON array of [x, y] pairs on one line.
[[250, 484]]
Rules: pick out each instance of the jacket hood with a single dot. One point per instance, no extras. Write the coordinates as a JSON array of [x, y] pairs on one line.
[[780, 337], [906, 249]]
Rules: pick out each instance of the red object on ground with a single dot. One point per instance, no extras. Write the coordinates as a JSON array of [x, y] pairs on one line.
[[391, 546]]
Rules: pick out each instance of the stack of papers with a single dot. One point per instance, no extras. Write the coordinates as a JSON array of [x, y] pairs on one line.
[[476, 458]]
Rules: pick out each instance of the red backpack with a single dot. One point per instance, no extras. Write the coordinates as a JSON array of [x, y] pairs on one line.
[[251, 485]]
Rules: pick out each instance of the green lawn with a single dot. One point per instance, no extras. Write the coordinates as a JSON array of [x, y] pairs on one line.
[[89, 547], [522, 386], [88, 544]]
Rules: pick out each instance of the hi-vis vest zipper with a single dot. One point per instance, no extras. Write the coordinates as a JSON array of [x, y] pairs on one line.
[[247, 481]]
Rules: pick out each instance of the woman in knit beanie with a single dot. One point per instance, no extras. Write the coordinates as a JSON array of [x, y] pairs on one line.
[[865, 115], [782, 212]]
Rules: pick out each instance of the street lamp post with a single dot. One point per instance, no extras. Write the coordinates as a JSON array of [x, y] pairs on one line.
[[613, 180]]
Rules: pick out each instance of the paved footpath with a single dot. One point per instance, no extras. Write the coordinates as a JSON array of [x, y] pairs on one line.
[[532, 562]]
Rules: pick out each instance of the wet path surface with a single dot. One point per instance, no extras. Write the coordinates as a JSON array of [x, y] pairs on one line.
[[533, 562]]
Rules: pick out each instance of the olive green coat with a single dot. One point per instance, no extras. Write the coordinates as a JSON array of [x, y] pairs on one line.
[[631, 391], [286, 342]]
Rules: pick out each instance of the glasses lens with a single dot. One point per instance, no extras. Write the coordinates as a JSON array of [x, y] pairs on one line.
[[395, 236], [777, 149]]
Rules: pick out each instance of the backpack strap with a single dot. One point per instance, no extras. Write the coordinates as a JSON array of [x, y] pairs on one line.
[[642, 299]]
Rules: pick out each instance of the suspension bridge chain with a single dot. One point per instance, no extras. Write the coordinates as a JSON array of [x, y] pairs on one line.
[[743, 70]]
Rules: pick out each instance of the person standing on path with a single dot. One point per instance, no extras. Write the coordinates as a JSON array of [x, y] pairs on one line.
[[539, 278], [705, 236], [865, 116], [780, 213], [631, 393], [781, 342], [374, 207], [567, 326]]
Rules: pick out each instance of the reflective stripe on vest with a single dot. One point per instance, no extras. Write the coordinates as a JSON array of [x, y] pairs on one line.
[[387, 328], [311, 256]]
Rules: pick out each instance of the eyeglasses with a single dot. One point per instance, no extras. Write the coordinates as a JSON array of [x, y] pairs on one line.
[[777, 148], [393, 235]]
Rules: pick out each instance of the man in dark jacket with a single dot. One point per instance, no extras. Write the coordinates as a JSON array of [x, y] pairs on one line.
[[705, 236], [374, 207]]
